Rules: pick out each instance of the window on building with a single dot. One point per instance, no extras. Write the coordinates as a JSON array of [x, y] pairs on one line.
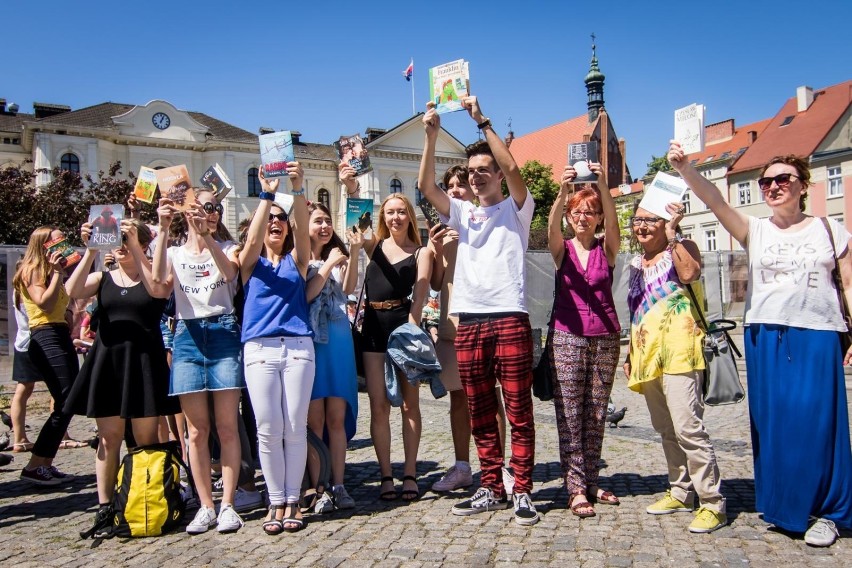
[[253, 183], [744, 193], [835, 182], [418, 197], [395, 186], [686, 203], [69, 162], [788, 120], [710, 238], [686, 233], [324, 197]]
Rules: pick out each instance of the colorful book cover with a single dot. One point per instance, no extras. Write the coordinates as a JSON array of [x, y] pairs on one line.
[[689, 128], [580, 155], [359, 216], [216, 179], [106, 226], [276, 149], [352, 150], [175, 184], [448, 85], [662, 190], [70, 257], [146, 185]]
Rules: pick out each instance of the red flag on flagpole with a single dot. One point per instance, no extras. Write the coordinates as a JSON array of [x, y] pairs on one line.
[[409, 71]]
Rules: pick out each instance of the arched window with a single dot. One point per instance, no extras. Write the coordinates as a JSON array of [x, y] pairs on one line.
[[324, 198], [395, 186], [253, 183], [418, 197], [69, 162]]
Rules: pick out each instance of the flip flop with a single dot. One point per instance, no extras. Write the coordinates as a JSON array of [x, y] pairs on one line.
[[71, 444], [604, 497], [22, 447], [390, 495]]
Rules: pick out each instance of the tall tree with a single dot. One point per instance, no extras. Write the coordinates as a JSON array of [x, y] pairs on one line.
[[658, 164]]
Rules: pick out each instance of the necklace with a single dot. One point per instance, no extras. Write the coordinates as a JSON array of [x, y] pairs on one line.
[[123, 283]]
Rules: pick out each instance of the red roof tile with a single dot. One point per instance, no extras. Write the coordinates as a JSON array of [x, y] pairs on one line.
[[732, 146], [550, 145], [803, 135]]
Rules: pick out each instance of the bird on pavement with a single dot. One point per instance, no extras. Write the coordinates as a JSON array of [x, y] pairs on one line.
[[616, 417], [7, 420]]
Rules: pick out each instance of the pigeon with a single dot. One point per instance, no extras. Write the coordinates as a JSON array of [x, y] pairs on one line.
[[7, 420], [4, 441], [5, 459], [616, 417]]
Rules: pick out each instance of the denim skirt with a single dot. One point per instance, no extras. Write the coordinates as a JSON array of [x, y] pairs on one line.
[[207, 355]]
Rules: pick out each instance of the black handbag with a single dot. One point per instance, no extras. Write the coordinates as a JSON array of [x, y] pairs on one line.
[[544, 374], [721, 383], [845, 337]]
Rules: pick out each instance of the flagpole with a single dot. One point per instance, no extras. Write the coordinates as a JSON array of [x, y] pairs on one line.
[[412, 88]]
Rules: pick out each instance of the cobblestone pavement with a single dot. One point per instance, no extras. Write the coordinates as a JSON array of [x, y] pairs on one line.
[[39, 527]]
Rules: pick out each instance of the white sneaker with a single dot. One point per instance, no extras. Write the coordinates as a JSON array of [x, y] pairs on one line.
[[455, 478], [342, 500], [482, 501], [822, 533], [229, 520], [204, 519], [525, 513], [245, 501], [324, 504], [508, 482]]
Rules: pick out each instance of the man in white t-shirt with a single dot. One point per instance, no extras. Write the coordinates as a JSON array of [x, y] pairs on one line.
[[494, 339]]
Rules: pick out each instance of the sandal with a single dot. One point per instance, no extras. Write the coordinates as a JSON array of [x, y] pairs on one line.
[[273, 526], [71, 444], [390, 495], [410, 494], [295, 523], [603, 497], [22, 447], [583, 509]]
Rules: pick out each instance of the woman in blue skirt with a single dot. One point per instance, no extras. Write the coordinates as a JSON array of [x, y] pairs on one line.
[[796, 386]]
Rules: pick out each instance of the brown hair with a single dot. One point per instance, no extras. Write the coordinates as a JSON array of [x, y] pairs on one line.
[[335, 241], [592, 198], [802, 171], [459, 172], [383, 232], [480, 148], [34, 266]]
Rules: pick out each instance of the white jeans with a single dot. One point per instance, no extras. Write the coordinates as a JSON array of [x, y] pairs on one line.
[[280, 377]]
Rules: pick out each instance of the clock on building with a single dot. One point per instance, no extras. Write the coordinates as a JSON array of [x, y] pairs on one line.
[[161, 120]]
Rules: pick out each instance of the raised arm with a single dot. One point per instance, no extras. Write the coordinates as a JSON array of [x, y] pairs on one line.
[[250, 253], [734, 222], [426, 178], [436, 243], [83, 283], [299, 219], [504, 159], [421, 286], [129, 229], [685, 254], [555, 238], [350, 280], [612, 232], [160, 270], [46, 296]]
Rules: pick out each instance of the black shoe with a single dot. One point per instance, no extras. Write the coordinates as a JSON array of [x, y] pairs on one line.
[[102, 527]]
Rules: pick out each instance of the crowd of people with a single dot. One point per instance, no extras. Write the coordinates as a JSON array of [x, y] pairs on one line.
[[190, 322]]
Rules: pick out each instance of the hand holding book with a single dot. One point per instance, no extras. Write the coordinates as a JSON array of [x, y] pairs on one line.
[[431, 120], [346, 174], [471, 105], [268, 185]]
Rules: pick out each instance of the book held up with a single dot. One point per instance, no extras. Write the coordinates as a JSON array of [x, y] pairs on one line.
[[353, 151], [146, 185], [276, 149], [70, 257], [106, 226], [218, 181], [662, 190], [359, 216], [689, 128], [448, 85], [580, 155], [175, 184]]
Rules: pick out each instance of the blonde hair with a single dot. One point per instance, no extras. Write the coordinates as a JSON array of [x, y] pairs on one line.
[[383, 232], [34, 266]]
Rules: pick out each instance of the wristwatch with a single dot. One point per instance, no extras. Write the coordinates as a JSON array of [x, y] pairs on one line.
[[267, 195], [484, 124]]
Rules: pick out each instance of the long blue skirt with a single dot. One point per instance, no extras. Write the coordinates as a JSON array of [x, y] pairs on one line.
[[336, 374], [799, 426]]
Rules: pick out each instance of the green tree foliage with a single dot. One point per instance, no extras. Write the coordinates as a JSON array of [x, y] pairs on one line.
[[63, 202], [539, 180], [658, 164]]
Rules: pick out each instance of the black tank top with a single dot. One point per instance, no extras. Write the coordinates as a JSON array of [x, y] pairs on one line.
[[386, 281]]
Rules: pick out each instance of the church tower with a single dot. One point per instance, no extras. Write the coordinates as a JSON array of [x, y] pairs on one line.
[[594, 86]]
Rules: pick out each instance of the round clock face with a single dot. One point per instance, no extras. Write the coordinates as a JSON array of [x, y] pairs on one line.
[[161, 120]]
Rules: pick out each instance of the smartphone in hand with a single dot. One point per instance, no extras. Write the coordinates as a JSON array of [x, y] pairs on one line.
[[431, 214]]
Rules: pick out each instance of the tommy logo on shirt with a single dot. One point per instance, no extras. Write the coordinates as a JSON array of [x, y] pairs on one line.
[[202, 273]]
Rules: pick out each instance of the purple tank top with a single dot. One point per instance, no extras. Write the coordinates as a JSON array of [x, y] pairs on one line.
[[583, 303]]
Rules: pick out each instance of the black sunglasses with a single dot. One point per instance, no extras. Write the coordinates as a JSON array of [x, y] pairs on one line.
[[211, 208], [280, 216], [765, 183]]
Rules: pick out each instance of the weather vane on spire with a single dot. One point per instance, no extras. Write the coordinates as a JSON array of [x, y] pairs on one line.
[[593, 43]]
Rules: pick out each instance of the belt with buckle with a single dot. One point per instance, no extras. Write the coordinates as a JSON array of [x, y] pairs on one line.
[[386, 304]]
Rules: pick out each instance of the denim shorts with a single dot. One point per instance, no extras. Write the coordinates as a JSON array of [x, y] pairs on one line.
[[168, 335], [207, 355]]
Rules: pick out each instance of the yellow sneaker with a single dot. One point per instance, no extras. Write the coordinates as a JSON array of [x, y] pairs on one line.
[[668, 505], [707, 521]]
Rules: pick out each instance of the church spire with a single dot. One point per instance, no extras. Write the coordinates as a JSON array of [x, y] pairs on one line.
[[594, 85]]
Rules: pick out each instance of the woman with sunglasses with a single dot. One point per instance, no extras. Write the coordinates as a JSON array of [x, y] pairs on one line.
[[206, 354], [279, 350], [797, 394], [665, 362], [585, 331]]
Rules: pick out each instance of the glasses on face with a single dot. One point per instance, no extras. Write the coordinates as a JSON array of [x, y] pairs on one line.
[[587, 214], [765, 183], [280, 216], [639, 221], [211, 208]]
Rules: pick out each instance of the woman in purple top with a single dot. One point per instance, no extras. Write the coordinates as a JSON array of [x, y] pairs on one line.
[[585, 333]]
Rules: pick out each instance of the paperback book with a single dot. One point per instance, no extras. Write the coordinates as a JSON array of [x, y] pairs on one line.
[[353, 151], [689, 128], [146, 185], [217, 180], [359, 216], [106, 226], [70, 257], [276, 149], [580, 155], [175, 185], [448, 85], [662, 190]]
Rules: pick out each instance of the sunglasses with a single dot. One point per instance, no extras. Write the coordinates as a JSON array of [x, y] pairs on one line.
[[280, 216], [639, 221], [578, 214], [211, 208], [765, 183]]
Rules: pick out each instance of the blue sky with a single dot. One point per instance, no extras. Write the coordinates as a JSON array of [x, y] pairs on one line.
[[330, 68]]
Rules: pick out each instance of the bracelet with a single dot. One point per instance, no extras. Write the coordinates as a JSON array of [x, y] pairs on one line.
[[298, 191], [484, 124], [267, 195], [673, 242]]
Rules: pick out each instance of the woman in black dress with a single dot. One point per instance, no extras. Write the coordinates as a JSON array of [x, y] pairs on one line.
[[125, 375]]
